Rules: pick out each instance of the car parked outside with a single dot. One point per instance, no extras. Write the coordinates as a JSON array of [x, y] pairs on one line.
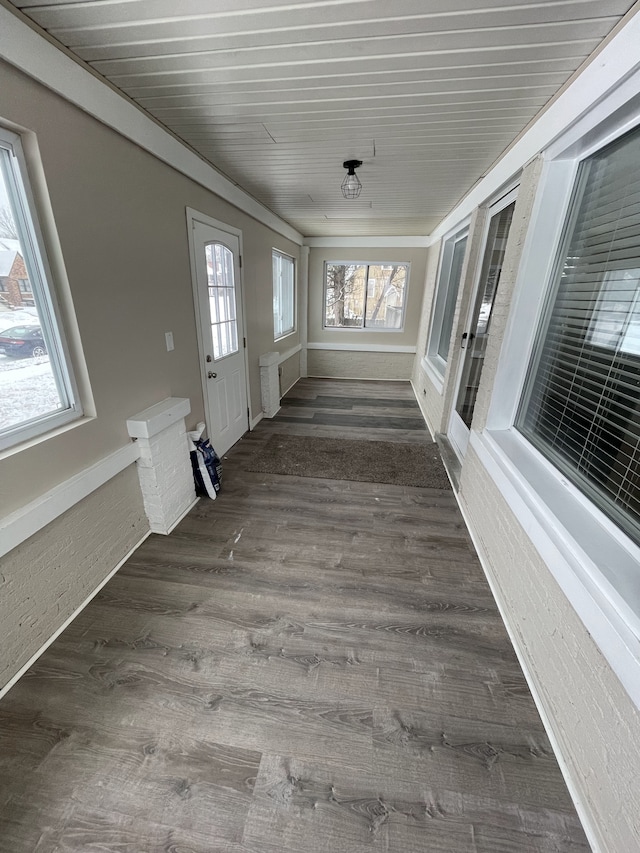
[[23, 342]]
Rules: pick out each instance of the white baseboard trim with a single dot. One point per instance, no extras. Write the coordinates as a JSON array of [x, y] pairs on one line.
[[339, 347], [423, 411], [173, 525], [255, 421], [286, 390], [68, 621], [587, 819], [20, 525]]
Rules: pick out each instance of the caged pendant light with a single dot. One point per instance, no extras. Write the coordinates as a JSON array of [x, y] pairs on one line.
[[351, 186]]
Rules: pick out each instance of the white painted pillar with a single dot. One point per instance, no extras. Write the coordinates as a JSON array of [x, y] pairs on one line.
[[164, 466], [303, 309], [270, 383]]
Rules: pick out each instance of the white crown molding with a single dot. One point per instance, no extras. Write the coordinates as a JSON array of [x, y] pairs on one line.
[[28, 520], [362, 347], [27, 50], [367, 242], [610, 68]]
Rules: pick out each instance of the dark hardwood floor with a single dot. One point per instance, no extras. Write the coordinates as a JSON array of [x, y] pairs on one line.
[[304, 665]]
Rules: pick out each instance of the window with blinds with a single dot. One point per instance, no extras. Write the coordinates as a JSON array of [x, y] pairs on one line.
[[581, 404]]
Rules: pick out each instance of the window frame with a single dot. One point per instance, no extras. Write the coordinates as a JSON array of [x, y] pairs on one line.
[[432, 359], [594, 562], [367, 329], [284, 333], [43, 291]]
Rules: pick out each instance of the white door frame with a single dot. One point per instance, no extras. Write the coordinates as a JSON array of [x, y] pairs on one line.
[[192, 217], [457, 431]]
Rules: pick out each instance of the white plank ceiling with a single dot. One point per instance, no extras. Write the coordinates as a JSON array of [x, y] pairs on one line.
[[427, 93]]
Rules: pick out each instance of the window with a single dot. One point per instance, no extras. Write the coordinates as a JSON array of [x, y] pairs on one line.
[[37, 391], [451, 259], [365, 296], [222, 299], [581, 406], [284, 310]]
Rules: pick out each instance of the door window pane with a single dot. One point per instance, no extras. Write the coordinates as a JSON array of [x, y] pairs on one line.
[[222, 299], [475, 342]]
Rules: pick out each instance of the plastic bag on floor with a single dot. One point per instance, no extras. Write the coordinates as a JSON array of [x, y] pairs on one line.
[[206, 465]]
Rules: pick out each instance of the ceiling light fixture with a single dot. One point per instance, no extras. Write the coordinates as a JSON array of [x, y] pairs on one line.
[[351, 186]]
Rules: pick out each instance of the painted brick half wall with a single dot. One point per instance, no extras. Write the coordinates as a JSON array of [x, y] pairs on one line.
[[353, 364], [44, 580]]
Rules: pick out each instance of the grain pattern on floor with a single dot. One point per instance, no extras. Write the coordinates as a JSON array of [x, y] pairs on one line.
[[304, 665]]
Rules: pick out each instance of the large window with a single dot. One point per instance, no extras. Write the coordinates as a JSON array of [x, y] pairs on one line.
[[284, 308], [451, 259], [581, 406], [365, 296], [37, 391]]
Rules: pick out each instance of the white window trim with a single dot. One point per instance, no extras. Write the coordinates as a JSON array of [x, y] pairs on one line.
[[582, 547], [434, 365], [366, 329], [292, 331], [35, 257]]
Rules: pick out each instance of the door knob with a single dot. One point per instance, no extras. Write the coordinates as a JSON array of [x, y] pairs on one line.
[[211, 374]]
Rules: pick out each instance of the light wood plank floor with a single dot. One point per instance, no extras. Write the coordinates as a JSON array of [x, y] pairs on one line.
[[304, 665]]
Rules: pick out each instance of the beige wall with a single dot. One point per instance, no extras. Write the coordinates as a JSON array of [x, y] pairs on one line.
[[354, 363], [289, 372], [120, 217], [317, 257]]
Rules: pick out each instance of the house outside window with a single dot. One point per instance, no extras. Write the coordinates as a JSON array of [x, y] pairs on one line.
[[359, 295], [284, 307], [37, 388], [451, 260]]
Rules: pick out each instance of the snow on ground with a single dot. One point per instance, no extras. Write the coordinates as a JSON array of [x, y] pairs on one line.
[[27, 390], [27, 386], [19, 317]]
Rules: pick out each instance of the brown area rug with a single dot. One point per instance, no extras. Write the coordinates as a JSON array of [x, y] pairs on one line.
[[348, 459]]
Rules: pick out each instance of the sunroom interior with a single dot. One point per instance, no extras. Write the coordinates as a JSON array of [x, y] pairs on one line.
[[491, 259]]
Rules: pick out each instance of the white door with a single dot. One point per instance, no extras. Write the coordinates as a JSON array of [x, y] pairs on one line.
[[216, 256], [473, 339]]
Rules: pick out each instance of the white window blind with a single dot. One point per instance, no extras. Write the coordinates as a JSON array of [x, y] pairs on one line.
[[581, 406]]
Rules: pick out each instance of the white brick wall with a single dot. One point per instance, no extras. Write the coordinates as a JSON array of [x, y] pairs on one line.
[[594, 721], [165, 476], [340, 364], [44, 580]]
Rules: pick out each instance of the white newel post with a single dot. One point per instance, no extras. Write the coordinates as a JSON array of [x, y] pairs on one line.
[[164, 466], [270, 383]]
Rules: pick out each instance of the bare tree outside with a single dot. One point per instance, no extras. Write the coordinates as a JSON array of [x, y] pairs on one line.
[[7, 224], [365, 295]]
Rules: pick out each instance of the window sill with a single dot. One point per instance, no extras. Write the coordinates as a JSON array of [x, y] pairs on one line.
[[74, 420], [285, 336], [437, 379], [594, 563]]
